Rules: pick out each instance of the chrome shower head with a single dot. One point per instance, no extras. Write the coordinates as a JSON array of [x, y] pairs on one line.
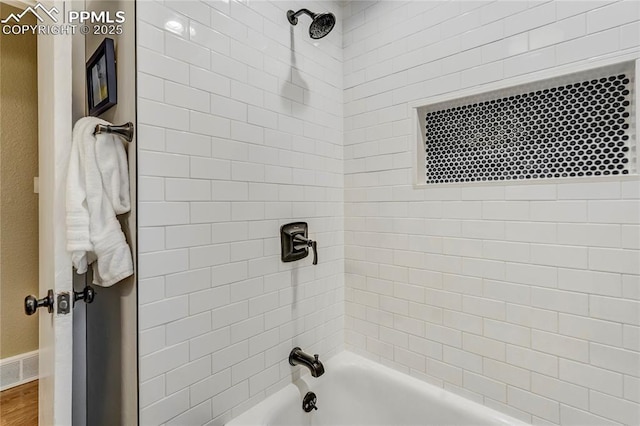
[[322, 23]]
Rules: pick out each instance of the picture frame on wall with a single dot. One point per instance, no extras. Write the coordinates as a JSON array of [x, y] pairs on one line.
[[102, 89]]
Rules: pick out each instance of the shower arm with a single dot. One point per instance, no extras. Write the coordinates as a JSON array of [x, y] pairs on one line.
[[293, 16]]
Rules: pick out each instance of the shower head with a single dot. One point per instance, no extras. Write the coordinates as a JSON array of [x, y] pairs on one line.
[[322, 23]]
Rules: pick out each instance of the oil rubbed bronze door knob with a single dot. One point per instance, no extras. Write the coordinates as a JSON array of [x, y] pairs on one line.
[[87, 295], [31, 304]]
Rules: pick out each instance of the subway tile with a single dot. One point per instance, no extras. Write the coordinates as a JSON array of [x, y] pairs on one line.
[[206, 300], [187, 328], [579, 234], [156, 64], [165, 409], [208, 37], [567, 9], [562, 346], [164, 360], [154, 314], [463, 359], [532, 360], [485, 386], [150, 87], [530, 18], [200, 414], [150, 239], [559, 211], [614, 408], [615, 309], [632, 388], [506, 251], [151, 391], [210, 386], [162, 263], [590, 46], [203, 212], [575, 417], [208, 343], [228, 107], [585, 281], [606, 332], [589, 191], [186, 97], [506, 332], [209, 168], [536, 275], [483, 346], [527, 316], [534, 232], [530, 62], [616, 359], [630, 35], [614, 260], [530, 192], [505, 210], [630, 237], [204, 79], [613, 15], [187, 190], [561, 301], [507, 292], [203, 256], [631, 337], [532, 403], [557, 32], [186, 51], [161, 164], [187, 143], [195, 11], [150, 290], [600, 379], [150, 188], [209, 124], [561, 391], [556, 255], [187, 282], [151, 340]]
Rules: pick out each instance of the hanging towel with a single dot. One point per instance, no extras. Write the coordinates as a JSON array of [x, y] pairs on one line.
[[97, 191]]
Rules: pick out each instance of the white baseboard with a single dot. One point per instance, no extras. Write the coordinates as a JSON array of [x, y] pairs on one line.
[[18, 370]]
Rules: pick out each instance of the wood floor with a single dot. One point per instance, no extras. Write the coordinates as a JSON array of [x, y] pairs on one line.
[[19, 405]]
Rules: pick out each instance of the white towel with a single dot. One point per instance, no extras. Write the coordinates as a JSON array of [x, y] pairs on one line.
[[97, 190]]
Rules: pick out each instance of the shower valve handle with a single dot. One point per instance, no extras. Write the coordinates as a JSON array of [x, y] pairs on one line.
[[314, 247]]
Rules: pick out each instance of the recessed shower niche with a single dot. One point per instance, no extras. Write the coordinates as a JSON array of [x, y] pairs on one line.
[[575, 125]]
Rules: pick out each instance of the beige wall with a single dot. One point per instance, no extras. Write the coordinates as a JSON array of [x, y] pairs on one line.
[[18, 203]]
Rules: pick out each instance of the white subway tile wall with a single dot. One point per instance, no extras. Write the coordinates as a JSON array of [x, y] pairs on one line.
[[523, 297], [240, 131]]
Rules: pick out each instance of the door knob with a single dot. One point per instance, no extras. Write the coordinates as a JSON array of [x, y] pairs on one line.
[[87, 294], [31, 304]]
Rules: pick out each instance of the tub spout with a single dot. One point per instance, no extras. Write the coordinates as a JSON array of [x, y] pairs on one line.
[[299, 357]]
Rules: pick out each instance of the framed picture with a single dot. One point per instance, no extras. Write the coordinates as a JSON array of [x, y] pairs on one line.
[[102, 90]]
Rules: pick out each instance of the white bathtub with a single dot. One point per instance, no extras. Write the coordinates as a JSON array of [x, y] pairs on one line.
[[355, 391]]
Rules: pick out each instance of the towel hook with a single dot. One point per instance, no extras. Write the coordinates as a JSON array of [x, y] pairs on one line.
[[124, 130]]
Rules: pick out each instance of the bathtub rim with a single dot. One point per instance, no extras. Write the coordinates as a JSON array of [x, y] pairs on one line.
[[259, 413]]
